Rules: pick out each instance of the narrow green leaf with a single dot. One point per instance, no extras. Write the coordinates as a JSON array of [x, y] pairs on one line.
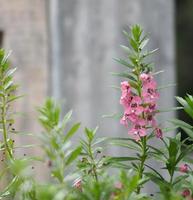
[[114, 115], [67, 118], [181, 123], [166, 86], [11, 72], [13, 98], [120, 159], [170, 109], [72, 131], [123, 62], [74, 155], [144, 43]]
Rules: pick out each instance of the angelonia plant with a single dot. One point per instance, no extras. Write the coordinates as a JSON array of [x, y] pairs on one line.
[[84, 170]]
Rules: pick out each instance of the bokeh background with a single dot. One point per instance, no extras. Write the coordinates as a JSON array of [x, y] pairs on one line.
[[64, 49]]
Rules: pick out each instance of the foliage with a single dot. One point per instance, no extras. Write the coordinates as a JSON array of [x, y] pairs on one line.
[[84, 170]]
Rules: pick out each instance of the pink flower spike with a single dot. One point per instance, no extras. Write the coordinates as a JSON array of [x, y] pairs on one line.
[[183, 168]]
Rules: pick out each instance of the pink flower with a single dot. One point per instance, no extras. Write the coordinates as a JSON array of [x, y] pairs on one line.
[[137, 132], [150, 95], [152, 107], [183, 168], [186, 193], [145, 77], [158, 133], [148, 80], [132, 117], [78, 184], [125, 88], [118, 185], [149, 91], [124, 121], [126, 96], [135, 106]]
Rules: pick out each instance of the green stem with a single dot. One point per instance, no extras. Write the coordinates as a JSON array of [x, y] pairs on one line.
[[4, 123], [171, 177], [93, 164], [143, 158]]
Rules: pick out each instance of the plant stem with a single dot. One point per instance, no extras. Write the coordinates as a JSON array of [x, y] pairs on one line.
[[171, 177], [93, 163], [4, 123], [143, 158]]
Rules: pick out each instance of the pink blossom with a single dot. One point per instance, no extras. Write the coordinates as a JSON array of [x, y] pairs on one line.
[[149, 91], [78, 184], [158, 133], [183, 168], [186, 193], [125, 97], [150, 95], [140, 110], [132, 117], [148, 80], [125, 88], [137, 132], [135, 106], [118, 185], [124, 121]]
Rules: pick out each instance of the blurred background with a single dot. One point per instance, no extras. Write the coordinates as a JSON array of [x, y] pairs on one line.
[[64, 49]]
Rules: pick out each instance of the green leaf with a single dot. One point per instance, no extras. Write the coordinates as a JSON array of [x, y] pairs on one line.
[[71, 132], [100, 140], [114, 116], [89, 134], [67, 118], [123, 62], [134, 44], [170, 109], [144, 43], [188, 131], [122, 74], [188, 109], [6, 191], [6, 86], [11, 72], [166, 86], [136, 32], [181, 123], [126, 145], [126, 49], [74, 155], [120, 159], [158, 72], [112, 86], [13, 98], [148, 53]]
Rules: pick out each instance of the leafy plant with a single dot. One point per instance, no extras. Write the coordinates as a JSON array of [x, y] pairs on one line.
[[56, 144], [84, 170]]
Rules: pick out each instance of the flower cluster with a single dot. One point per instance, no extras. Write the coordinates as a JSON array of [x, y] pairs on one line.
[[140, 109]]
